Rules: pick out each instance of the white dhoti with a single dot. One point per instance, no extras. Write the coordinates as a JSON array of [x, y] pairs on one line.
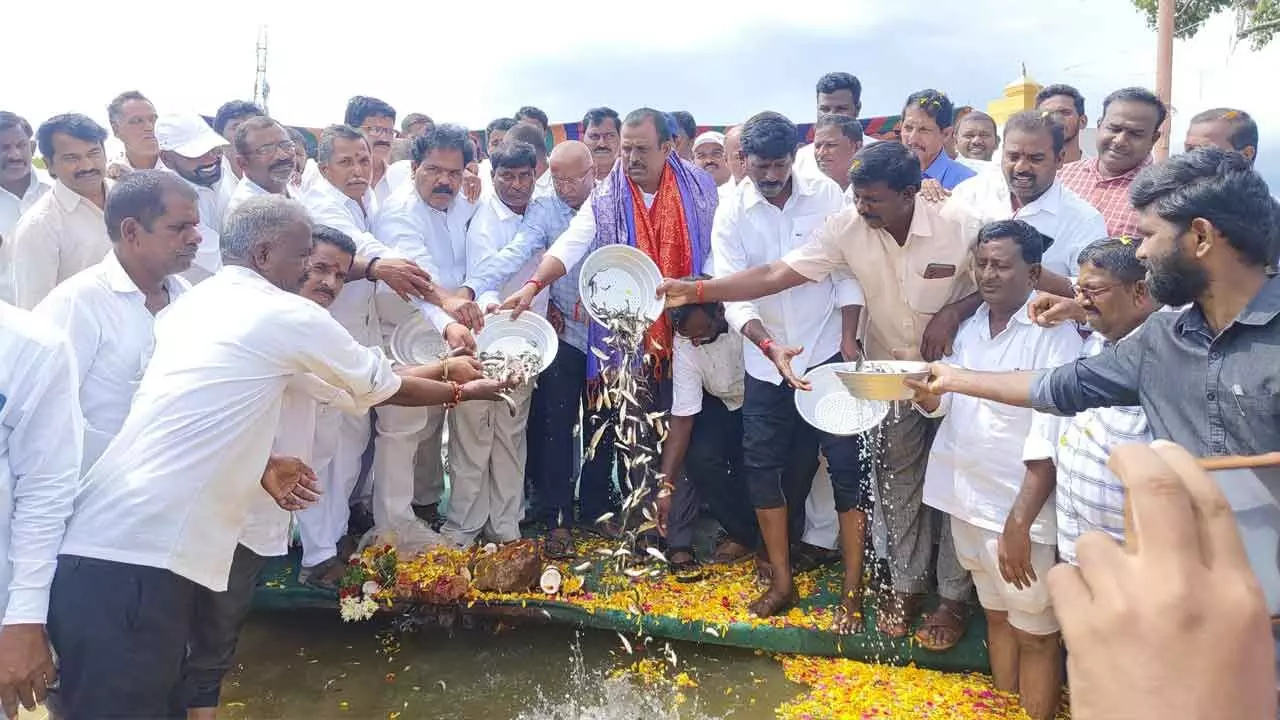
[[400, 430], [341, 439], [821, 527], [487, 449]]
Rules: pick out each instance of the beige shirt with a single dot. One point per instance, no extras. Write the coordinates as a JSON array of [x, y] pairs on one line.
[[62, 234], [902, 293]]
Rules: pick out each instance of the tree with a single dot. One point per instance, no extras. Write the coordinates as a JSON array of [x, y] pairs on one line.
[[1261, 23]]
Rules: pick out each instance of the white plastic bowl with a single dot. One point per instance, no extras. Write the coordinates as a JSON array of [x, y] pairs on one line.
[[830, 408], [882, 379], [416, 341], [510, 337], [617, 278]]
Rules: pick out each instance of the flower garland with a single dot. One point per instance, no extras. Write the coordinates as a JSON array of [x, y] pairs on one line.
[[369, 582]]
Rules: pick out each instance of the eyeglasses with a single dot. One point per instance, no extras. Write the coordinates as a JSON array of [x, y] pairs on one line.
[[374, 130], [272, 148], [570, 182], [1091, 293]]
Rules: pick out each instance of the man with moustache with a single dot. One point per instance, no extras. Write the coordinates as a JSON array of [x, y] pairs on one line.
[[600, 131], [1226, 129], [1025, 187], [21, 185], [927, 118], [542, 185], [838, 93], [108, 311], [708, 154], [494, 134], [558, 397], [1066, 104], [976, 139], [266, 160], [63, 232], [1205, 376], [376, 120], [686, 131], [192, 150], [836, 139], [225, 122], [133, 121], [1128, 130]]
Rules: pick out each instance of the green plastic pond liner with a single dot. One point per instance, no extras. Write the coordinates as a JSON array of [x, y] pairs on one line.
[[278, 589]]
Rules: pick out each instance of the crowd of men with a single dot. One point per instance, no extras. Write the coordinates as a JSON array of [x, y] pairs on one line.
[[199, 363]]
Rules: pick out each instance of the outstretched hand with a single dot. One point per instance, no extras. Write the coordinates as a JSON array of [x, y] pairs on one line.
[[290, 482], [678, 292]]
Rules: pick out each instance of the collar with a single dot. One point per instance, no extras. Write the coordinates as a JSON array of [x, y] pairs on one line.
[[940, 165], [118, 279], [256, 189], [504, 213], [325, 187], [1091, 164], [240, 273], [35, 180], [69, 199], [1021, 317], [921, 223], [1260, 312], [1049, 202], [802, 185]]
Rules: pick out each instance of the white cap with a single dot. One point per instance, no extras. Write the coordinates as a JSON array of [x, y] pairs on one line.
[[186, 134], [710, 136]]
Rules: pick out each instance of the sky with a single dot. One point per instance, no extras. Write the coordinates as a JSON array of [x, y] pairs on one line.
[[721, 61]]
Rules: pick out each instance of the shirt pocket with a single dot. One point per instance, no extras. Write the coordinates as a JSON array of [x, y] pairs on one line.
[[803, 229]]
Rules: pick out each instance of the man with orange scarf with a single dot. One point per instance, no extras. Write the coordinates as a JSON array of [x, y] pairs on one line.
[[651, 200]]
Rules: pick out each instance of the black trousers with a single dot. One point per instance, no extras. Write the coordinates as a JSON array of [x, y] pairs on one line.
[[120, 632], [781, 454], [713, 474], [556, 406], [216, 629], [597, 492]]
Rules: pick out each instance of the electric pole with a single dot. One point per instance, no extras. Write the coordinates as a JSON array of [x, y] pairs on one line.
[[1164, 71], [261, 89]]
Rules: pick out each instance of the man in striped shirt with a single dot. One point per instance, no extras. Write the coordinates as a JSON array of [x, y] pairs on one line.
[[1112, 296]]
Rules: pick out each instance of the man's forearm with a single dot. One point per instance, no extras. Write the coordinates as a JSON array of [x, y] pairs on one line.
[[428, 371], [1037, 486], [549, 270], [420, 392], [1010, 388], [752, 283], [675, 446], [756, 332]]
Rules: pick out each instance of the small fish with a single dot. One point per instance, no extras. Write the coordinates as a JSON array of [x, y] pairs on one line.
[[625, 643], [711, 631], [604, 517], [602, 355], [655, 552], [632, 572], [583, 567], [595, 440]]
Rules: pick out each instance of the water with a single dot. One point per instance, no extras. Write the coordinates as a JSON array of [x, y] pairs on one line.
[[308, 664]]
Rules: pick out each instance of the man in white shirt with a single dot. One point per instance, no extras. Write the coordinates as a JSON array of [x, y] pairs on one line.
[[192, 150], [702, 455], [708, 154], [21, 185], [63, 232], [159, 516], [601, 128], [40, 436], [225, 122], [133, 121], [376, 120], [494, 134], [1025, 186], [773, 212], [424, 221], [733, 153], [839, 93], [264, 155], [976, 139], [836, 139], [487, 442], [108, 311], [991, 469], [542, 185]]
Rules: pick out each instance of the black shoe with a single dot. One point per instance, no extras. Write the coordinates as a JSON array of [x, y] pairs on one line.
[[360, 521], [429, 514]]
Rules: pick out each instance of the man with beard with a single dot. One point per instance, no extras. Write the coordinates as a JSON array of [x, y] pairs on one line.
[[600, 131], [266, 160], [1025, 187], [1065, 104], [911, 259], [686, 131], [1205, 376], [21, 185], [108, 311], [927, 119], [777, 211], [63, 232], [839, 93], [376, 120], [133, 122], [425, 221], [708, 154], [190, 148], [655, 202], [836, 139], [976, 139], [1129, 128], [557, 399]]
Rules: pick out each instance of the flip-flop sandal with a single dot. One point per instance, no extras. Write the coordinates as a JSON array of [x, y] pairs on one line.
[[723, 557], [894, 605], [314, 577], [685, 571], [948, 616]]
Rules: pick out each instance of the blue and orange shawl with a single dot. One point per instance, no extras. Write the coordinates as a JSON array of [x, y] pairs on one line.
[[675, 232]]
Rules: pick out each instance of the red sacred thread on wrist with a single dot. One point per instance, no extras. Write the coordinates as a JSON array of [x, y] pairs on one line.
[[765, 345], [698, 288], [537, 285]]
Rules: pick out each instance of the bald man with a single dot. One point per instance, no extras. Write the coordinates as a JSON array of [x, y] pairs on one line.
[[733, 153]]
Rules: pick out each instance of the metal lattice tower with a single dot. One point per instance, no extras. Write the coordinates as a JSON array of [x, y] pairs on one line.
[[261, 89]]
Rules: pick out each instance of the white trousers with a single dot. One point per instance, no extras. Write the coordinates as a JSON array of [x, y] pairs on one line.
[[400, 431], [487, 449], [340, 442]]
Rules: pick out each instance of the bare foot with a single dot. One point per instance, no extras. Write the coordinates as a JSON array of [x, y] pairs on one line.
[[773, 601], [848, 614]]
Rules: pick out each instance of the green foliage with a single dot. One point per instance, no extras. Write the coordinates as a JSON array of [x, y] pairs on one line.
[[1191, 15]]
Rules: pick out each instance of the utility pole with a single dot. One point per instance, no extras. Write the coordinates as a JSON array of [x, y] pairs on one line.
[[1164, 70], [261, 89]]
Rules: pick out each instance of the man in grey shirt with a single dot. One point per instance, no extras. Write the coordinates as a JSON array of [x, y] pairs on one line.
[[1208, 376]]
